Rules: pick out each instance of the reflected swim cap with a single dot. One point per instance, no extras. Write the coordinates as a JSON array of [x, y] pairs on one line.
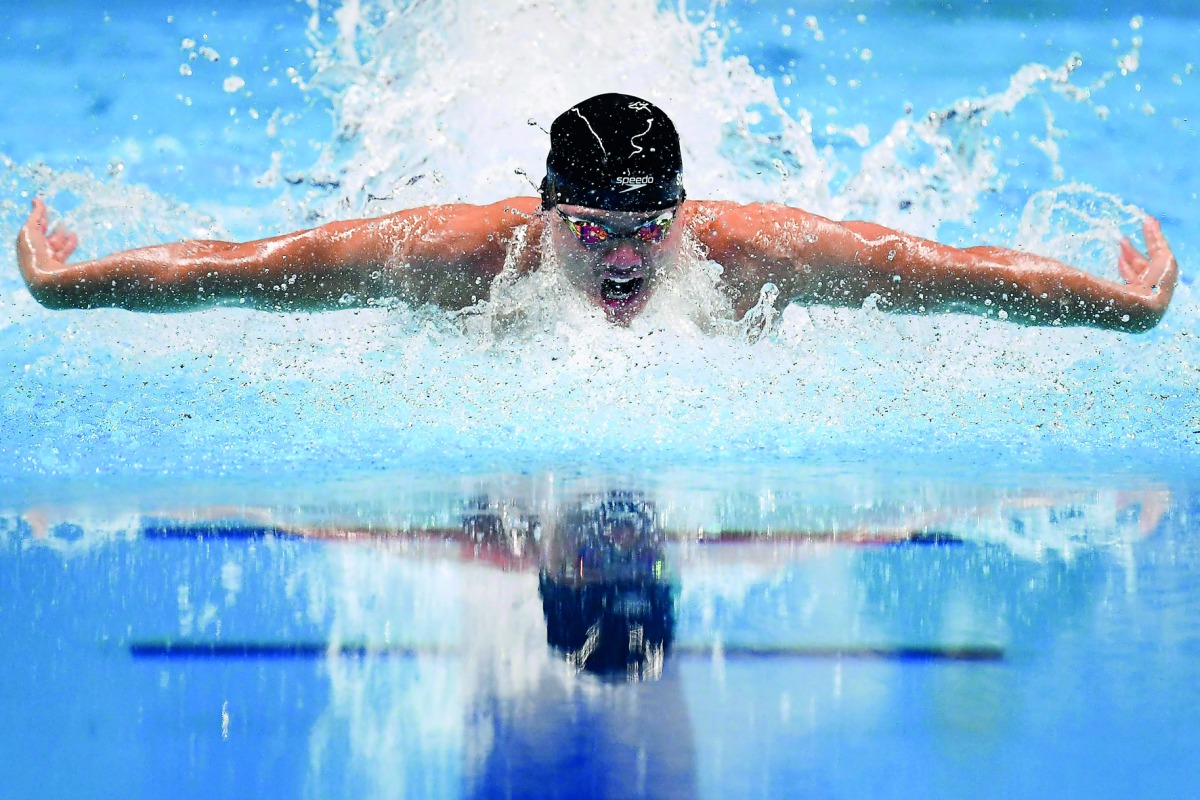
[[614, 152]]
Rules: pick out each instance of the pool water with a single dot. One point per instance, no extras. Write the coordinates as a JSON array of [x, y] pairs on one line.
[[835, 634], [298, 554]]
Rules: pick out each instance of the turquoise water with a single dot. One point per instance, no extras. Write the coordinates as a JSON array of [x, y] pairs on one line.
[[240, 552]]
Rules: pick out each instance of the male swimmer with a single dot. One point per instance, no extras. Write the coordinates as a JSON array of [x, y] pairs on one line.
[[613, 212]]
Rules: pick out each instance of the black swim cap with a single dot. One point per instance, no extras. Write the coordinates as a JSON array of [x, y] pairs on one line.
[[618, 629], [615, 152]]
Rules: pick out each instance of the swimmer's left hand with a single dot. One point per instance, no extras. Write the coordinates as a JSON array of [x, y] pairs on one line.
[[1153, 278]]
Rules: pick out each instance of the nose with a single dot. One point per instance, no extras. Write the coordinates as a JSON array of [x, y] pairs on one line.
[[623, 257]]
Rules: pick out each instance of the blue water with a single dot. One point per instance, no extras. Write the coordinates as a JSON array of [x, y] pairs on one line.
[[850, 502], [370, 117], [810, 658]]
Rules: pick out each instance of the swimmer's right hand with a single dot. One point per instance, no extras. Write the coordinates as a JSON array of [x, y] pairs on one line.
[[42, 254]]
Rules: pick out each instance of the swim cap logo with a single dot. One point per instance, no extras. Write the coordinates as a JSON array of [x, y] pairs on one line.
[[632, 183]]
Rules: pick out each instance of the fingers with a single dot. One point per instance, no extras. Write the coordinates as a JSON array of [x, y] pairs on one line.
[[1156, 243], [32, 237], [32, 248], [69, 245], [1159, 272], [1163, 270], [1131, 263], [38, 215], [62, 243], [58, 243]]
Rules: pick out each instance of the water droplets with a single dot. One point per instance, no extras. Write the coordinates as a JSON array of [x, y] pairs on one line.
[[810, 22], [1129, 62], [402, 113]]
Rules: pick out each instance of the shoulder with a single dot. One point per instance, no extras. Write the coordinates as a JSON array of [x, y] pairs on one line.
[[729, 230], [447, 234], [464, 219]]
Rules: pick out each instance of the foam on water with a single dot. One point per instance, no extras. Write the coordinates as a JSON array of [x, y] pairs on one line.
[[450, 102]]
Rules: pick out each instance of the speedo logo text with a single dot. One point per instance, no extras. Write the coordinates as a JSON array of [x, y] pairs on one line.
[[631, 183]]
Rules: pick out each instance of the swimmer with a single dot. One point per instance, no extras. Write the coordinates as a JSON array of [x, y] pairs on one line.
[[613, 214]]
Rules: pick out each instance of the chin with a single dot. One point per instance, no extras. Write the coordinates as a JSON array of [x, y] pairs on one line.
[[624, 314]]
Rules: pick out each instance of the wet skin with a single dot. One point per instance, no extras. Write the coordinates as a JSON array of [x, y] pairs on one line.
[[450, 255], [618, 275]]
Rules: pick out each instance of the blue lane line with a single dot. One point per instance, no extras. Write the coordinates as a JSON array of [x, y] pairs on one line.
[[155, 529], [218, 650], [168, 529], [250, 649], [981, 653]]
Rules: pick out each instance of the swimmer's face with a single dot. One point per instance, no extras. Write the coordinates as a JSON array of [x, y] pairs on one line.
[[618, 268], [614, 538]]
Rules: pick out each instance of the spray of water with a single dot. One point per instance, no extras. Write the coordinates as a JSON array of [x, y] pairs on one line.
[[450, 102]]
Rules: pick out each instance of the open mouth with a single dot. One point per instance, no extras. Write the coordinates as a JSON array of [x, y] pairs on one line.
[[620, 290]]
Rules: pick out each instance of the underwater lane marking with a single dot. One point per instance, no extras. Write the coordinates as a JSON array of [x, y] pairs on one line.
[[169, 529], [251, 649], [848, 538], [966, 653], [164, 529], [165, 648]]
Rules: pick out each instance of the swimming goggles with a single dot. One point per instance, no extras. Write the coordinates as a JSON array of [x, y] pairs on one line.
[[590, 232]]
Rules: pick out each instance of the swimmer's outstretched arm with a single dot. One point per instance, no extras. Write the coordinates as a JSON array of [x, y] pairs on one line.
[[446, 255], [816, 260]]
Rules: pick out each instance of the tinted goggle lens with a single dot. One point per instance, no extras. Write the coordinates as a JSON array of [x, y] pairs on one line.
[[590, 232], [651, 232]]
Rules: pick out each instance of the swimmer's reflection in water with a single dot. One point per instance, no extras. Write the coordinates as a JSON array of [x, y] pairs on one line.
[[602, 578], [599, 713], [607, 604]]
